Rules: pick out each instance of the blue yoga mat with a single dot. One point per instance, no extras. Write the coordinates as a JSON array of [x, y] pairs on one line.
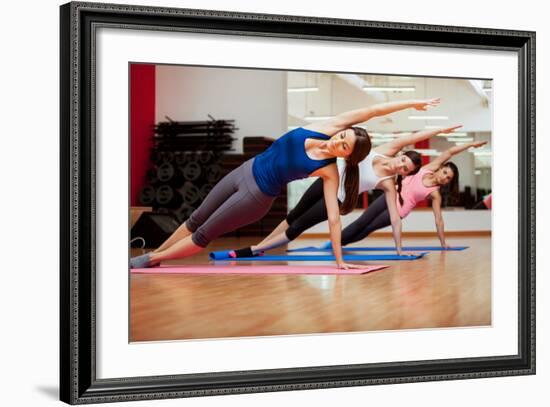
[[224, 255], [379, 249]]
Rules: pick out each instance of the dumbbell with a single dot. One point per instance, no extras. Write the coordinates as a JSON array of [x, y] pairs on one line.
[[168, 173], [183, 212], [190, 193], [147, 195], [180, 158], [167, 197], [213, 173], [206, 156], [191, 171]]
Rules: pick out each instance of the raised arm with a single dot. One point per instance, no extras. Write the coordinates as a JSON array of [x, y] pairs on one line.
[[347, 119], [393, 147], [436, 207], [447, 154]]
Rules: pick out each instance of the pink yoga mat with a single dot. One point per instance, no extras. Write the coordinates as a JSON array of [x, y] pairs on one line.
[[208, 269]]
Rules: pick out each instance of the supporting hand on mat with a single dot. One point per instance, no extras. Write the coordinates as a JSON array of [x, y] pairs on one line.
[[348, 266]]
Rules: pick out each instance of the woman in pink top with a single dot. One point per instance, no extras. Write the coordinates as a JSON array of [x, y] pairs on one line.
[[412, 190]]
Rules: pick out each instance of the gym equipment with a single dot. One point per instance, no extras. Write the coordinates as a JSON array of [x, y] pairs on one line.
[[166, 172], [154, 228], [183, 212], [190, 193], [167, 197], [205, 156], [213, 173], [148, 195], [191, 171]]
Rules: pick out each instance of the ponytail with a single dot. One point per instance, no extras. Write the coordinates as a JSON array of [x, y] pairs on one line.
[[399, 183], [351, 173], [351, 186]]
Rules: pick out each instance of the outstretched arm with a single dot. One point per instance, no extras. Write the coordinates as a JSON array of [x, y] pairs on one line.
[[390, 194], [347, 119], [393, 147], [436, 207], [330, 192], [447, 154]]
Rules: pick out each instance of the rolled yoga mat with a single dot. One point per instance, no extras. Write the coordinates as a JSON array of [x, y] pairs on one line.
[[229, 269], [225, 255], [380, 249]]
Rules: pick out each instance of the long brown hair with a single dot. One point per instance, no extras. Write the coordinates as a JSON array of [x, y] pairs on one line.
[[417, 161], [451, 189], [351, 179]]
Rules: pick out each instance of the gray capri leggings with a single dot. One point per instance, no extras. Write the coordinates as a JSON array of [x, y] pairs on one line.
[[235, 201]]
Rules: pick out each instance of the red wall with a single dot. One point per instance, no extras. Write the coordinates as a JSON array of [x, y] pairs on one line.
[[142, 120]]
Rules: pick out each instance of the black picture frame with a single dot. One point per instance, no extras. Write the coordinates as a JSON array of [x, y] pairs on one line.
[[78, 382]]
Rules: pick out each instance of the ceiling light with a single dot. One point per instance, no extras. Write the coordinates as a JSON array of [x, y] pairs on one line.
[[389, 88], [461, 139], [427, 151], [428, 118], [483, 153], [314, 118], [453, 134], [304, 89]]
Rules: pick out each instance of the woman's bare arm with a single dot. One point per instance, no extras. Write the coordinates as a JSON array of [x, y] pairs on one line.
[[390, 193], [330, 177], [393, 147], [447, 154], [440, 226], [350, 118]]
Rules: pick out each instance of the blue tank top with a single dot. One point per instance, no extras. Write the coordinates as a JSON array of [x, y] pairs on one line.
[[286, 160]]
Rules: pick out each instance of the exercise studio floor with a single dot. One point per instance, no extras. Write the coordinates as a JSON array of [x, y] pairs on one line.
[[443, 289]]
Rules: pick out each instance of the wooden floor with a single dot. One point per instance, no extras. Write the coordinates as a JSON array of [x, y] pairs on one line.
[[444, 289]]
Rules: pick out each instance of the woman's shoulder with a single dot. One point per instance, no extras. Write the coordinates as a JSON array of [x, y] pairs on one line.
[[425, 170], [314, 129]]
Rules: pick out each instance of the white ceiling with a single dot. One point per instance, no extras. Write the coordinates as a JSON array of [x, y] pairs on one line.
[[463, 101]]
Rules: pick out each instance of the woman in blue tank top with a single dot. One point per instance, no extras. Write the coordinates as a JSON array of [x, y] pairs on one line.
[[246, 194]]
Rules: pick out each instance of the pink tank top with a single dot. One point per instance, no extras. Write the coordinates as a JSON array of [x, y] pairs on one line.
[[413, 191]]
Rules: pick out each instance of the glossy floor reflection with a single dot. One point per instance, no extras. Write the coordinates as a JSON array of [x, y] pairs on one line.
[[444, 289]]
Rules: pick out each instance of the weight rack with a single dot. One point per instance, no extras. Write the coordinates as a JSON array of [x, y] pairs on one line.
[[185, 164]]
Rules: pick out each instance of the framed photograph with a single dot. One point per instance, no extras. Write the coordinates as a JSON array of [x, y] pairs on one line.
[[168, 114]]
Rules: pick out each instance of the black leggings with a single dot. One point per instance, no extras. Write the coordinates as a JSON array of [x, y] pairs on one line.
[[375, 217], [312, 210]]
